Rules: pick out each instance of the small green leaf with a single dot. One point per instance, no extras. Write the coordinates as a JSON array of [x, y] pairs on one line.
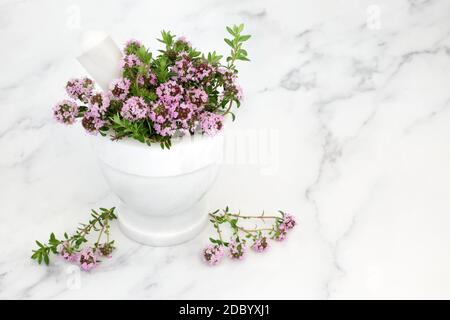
[[229, 42], [243, 58]]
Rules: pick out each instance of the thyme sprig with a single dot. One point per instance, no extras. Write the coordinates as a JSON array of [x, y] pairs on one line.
[[70, 245], [241, 234]]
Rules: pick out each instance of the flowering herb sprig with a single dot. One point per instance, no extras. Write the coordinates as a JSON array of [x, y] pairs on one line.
[[175, 92], [73, 248], [241, 235]]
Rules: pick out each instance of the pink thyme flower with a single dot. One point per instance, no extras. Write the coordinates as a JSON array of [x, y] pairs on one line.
[[149, 79], [173, 112], [170, 93], [134, 109], [183, 114], [203, 71], [162, 116], [260, 245], [105, 250], [230, 86], [164, 130], [80, 89], [64, 250], [130, 61], [288, 221], [65, 111], [213, 254], [87, 259], [237, 249], [238, 93], [280, 234], [211, 123], [197, 96], [132, 46], [184, 41], [92, 122], [120, 88], [184, 68], [99, 103], [221, 70]]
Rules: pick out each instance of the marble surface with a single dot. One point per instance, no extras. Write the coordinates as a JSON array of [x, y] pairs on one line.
[[345, 124]]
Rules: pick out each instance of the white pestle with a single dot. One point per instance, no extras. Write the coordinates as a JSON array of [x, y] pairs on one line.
[[100, 57]]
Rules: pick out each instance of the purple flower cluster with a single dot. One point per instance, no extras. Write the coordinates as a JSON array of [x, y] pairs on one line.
[[130, 61], [80, 89], [213, 254], [120, 88], [134, 109], [65, 252], [99, 103], [260, 244], [159, 114], [182, 40], [185, 70], [65, 111], [211, 123], [105, 250], [132, 45], [176, 108], [197, 96], [93, 118], [287, 223], [230, 87], [237, 249], [92, 123], [87, 259], [170, 93]]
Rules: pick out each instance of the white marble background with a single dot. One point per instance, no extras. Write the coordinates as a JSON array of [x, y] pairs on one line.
[[354, 96]]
